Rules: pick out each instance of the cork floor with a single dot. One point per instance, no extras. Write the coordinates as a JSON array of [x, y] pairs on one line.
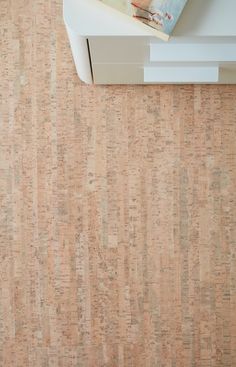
[[118, 211]]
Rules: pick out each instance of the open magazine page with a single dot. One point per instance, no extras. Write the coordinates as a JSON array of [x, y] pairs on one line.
[[159, 14]]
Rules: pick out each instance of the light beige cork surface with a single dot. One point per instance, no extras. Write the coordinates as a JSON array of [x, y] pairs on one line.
[[118, 211]]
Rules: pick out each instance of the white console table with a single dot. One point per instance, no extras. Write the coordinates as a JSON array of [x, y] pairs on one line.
[[111, 48]]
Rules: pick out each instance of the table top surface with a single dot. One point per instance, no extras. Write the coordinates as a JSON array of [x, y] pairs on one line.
[[200, 18], [207, 18]]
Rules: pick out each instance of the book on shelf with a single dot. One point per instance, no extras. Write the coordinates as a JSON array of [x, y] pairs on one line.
[[160, 15]]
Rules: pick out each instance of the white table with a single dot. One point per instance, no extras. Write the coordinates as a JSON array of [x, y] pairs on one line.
[[111, 48]]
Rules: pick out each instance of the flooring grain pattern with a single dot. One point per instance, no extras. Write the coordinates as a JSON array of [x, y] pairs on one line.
[[117, 211]]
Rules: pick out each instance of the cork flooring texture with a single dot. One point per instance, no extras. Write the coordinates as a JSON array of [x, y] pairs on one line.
[[118, 211]]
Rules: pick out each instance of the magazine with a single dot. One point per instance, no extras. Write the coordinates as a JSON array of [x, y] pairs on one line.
[[162, 15]]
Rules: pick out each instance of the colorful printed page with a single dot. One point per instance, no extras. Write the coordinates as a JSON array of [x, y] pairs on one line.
[[159, 14]]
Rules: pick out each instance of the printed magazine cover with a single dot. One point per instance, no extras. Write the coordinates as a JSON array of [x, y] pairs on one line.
[[161, 15]]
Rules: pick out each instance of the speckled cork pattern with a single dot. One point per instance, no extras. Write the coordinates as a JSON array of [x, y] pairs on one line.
[[118, 211]]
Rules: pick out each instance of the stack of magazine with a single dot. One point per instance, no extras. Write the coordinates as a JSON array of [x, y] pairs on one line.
[[161, 15]]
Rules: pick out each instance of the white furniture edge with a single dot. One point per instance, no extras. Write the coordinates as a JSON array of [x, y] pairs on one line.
[[80, 52], [203, 28], [113, 23]]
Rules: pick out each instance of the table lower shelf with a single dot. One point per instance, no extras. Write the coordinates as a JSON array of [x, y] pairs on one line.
[[145, 60], [140, 74]]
